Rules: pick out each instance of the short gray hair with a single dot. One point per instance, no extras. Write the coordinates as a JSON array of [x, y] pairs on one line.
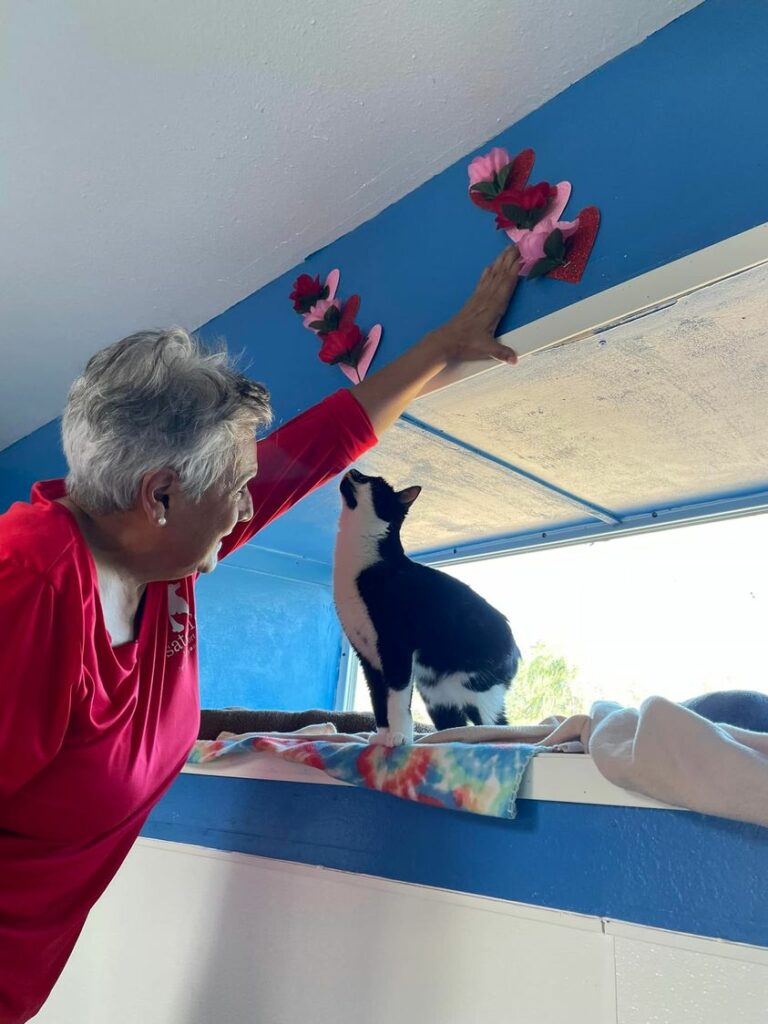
[[153, 400]]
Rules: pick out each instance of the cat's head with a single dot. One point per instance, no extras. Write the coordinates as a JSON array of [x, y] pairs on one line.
[[372, 506]]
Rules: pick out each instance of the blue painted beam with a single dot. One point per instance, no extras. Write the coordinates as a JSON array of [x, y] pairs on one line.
[[754, 502], [601, 514]]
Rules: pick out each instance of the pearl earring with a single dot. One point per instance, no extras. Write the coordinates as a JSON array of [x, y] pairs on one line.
[[162, 521]]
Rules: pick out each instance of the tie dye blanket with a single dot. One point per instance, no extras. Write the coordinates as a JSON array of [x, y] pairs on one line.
[[480, 778]]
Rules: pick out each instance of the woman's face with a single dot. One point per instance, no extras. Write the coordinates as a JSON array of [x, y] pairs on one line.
[[194, 531]]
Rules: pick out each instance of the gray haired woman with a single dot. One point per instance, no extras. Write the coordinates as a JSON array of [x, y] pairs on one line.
[[98, 668]]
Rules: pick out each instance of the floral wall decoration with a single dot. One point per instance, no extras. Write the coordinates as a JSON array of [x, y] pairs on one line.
[[332, 320], [530, 215]]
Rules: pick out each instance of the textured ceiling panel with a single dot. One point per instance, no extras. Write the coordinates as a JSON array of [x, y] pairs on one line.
[[157, 155], [464, 498], [664, 410]]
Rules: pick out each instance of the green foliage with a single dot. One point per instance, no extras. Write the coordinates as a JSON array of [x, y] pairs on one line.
[[543, 687]]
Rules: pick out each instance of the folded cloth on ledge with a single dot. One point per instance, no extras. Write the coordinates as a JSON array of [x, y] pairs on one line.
[[481, 778], [670, 753]]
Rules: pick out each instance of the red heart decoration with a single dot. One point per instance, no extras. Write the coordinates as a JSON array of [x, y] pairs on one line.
[[580, 247], [369, 351], [521, 169]]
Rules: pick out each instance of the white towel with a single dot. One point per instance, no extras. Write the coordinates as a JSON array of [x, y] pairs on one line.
[[671, 754]]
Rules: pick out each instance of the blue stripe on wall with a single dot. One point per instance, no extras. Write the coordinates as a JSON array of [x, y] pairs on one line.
[[667, 869]]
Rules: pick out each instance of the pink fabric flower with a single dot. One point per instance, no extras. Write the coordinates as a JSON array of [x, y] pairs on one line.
[[531, 243], [318, 311], [484, 167], [559, 203]]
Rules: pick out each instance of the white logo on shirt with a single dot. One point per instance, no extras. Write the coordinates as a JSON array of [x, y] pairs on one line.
[[176, 606]]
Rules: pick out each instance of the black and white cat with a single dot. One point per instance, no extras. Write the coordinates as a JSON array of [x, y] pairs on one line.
[[411, 624]]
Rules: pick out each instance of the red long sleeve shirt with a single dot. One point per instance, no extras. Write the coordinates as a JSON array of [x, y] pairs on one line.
[[91, 735]]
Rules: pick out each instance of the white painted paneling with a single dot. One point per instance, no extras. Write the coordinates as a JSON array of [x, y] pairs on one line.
[[156, 154], [659, 982], [186, 936]]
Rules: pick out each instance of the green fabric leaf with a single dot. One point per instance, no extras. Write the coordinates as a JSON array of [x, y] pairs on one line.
[[516, 214], [320, 326], [356, 352], [485, 188], [535, 215], [542, 267], [554, 246], [332, 317], [502, 176]]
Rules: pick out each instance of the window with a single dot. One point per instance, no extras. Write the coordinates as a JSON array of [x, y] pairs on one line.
[[676, 612]]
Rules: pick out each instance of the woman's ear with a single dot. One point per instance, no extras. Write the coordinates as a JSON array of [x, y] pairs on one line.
[[155, 494]]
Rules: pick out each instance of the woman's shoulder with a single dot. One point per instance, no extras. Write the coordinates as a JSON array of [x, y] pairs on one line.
[[40, 540]]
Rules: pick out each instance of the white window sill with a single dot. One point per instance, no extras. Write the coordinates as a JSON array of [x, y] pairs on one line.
[[566, 778]]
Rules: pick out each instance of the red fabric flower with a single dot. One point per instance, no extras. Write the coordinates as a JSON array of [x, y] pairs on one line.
[[529, 198], [340, 346], [345, 343], [523, 207], [306, 292], [483, 201]]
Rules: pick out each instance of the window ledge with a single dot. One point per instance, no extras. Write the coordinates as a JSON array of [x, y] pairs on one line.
[[564, 778]]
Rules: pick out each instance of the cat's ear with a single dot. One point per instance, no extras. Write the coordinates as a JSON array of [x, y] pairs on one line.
[[408, 496]]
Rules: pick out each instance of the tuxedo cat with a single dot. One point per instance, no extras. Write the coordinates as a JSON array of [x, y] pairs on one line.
[[411, 624]]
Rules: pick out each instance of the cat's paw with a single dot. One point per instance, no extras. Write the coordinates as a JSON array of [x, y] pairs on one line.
[[390, 738], [399, 739], [380, 738]]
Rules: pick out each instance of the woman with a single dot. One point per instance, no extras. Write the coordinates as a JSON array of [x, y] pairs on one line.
[[98, 666]]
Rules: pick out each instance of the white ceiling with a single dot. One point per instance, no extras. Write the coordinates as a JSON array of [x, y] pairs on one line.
[[164, 160], [656, 413]]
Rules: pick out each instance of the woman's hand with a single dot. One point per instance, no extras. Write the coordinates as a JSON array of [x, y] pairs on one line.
[[467, 337], [470, 334]]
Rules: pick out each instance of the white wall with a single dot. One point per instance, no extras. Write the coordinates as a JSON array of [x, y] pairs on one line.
[[186, 935]]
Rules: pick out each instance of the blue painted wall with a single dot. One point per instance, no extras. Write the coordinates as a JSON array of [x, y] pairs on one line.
[[36, 457], [667, 869], [268, 638]]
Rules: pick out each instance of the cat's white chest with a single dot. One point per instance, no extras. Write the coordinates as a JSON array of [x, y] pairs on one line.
[[352, 556]]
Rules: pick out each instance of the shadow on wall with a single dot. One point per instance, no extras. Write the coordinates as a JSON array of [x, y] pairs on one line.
[[266, 642]]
